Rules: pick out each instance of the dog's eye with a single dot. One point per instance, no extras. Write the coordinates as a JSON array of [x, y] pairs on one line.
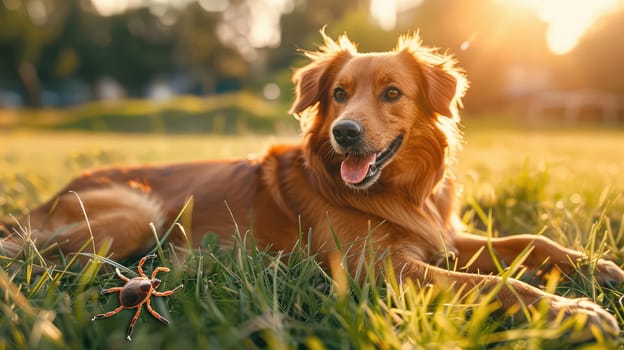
[[392, 94], [340, 95]]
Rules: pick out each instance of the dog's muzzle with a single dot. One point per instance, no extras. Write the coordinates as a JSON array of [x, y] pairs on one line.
[[361, 167]]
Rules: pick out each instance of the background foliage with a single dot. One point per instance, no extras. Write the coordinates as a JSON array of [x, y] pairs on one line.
[[56, 52]]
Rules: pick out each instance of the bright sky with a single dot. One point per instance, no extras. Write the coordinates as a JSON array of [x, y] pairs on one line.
[[567, 20], [246, 33]]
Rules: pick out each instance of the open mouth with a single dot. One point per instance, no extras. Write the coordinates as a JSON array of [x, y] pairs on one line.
[[360, 171]]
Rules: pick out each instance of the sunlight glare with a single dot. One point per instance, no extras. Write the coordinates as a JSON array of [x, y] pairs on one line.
[[251, 25], [115, 7], [569, 20], [109, 8], [385, 12]]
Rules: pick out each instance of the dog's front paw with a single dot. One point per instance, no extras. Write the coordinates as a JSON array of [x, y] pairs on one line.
[[594, 317], [609, 273]]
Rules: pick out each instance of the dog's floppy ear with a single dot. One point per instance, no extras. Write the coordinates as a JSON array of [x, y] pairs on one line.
[[441, 83], [313, 80], [440, 91], [310, 83]]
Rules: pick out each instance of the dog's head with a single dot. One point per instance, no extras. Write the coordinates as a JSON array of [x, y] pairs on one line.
[[362, 112]]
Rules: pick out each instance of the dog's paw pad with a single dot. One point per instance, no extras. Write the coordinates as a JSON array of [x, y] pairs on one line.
[[590, 313], [609, 273]]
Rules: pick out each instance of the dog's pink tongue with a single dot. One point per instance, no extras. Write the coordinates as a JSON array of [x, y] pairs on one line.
[[354, 169]]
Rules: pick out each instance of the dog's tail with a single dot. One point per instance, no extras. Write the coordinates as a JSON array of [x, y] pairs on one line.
[[114, 219]]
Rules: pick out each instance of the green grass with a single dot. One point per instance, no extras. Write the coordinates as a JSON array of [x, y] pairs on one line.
[[233, 113], [566, 184]]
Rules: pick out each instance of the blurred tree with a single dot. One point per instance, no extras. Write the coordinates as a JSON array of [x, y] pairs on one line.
[[27, 27], [44, 43], [139, 51], [300, 28], [198, 49], [361, 28], [133, 48]]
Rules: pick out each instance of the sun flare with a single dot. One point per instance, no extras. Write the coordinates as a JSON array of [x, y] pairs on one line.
[[569, 20]]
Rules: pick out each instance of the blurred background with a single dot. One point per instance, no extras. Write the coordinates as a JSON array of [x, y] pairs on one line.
[[225, 65]]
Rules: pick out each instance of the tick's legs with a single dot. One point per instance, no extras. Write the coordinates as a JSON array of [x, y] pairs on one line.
[[159, 269], [111, 290], [167, 293], [140, 267], [107, 314], [120, 275], [156, 314], [134, 319]]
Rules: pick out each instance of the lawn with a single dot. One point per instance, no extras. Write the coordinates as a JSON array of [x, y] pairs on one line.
[[564, 183]]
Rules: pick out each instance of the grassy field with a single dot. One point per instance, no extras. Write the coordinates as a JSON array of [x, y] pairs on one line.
[[567, 184]]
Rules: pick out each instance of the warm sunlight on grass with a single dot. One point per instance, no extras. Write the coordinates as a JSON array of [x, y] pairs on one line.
[[245, 102], [565, 183], [577, 160], [54, 156]]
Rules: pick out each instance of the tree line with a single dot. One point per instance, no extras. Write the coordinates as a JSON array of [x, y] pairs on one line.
[[46, 44]]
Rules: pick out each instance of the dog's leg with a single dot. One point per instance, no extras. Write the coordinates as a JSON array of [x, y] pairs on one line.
[[512, 292], [474, 256], [115, 217]]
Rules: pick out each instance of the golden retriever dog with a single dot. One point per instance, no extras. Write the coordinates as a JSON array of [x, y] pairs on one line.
[[373, 169]]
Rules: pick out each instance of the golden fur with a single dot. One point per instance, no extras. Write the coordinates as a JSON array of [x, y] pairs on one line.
[[404, 106]]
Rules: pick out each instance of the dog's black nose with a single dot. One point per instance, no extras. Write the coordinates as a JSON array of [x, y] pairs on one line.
[[347, 132]]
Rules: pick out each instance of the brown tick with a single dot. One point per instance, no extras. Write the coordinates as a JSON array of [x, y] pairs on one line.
[[136, 292]]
